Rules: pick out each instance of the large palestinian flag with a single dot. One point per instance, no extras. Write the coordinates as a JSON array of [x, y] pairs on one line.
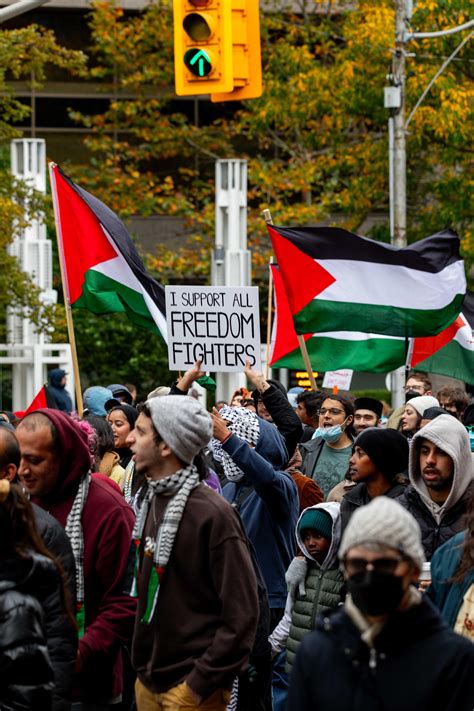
[[338, 281], [103, 270], [331, 350], [451, 352]]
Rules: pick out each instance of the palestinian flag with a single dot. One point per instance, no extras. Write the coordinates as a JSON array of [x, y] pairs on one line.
[[452, 351], [103, 272], [332, 350], [338, 281]]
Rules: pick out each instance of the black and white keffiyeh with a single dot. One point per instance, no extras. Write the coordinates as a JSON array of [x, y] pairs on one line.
[[75, 534], [245, 425], [178, 487]]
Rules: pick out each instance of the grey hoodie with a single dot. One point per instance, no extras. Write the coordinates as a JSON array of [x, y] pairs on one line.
[[451, 436]]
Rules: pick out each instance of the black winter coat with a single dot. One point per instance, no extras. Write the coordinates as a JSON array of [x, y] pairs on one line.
[[358, 496], [36, 579], [418, 664], [26, 674], [433, 535], [62, 637]]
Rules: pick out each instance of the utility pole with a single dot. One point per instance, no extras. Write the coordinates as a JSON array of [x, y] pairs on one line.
[[399, 130]]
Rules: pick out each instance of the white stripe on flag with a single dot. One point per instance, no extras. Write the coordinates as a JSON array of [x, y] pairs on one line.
[[401, 287]]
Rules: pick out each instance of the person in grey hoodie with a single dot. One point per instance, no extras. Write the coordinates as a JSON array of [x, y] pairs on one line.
[[441, 478]]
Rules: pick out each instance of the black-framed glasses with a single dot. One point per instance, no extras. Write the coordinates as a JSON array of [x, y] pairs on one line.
[[354, 566], [331, 410]]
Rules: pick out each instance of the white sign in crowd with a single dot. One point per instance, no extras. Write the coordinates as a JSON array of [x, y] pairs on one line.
[[218, 325]]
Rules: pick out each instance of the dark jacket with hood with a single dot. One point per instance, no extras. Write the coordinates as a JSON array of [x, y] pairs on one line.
[[416, 664], [58, 391], [33, 627], [283, 415], [358, 496], [62, 637], [267, 500], [107, 523], [440, 523], [446, 595]]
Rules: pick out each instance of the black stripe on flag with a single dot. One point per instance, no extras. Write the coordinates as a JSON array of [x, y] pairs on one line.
[[431, 254], [122, 240]]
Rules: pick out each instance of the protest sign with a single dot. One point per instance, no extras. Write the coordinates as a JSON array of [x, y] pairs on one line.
[[338, 378], [219, 325]]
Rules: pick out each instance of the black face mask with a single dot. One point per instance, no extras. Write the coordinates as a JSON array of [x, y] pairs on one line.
[[375, 593]]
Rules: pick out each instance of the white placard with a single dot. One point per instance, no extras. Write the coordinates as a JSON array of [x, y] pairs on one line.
[[219, 325], [338, 378]]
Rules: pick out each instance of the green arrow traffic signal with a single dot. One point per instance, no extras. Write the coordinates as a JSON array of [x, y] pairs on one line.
[[198, 62]]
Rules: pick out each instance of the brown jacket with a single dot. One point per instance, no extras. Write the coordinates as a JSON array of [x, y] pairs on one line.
[[204, 626]]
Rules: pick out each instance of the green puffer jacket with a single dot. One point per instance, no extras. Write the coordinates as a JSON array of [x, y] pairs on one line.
[[323, 592]]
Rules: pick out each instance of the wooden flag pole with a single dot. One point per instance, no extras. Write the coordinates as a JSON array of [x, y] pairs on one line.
[[268, 219], [67, 304], [304, 351]]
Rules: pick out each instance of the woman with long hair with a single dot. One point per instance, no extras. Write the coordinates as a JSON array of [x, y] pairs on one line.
[[452, 578], [122, 419], [36, 624]]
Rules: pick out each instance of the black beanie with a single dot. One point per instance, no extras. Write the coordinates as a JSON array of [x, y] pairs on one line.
[[388, 449], [369, 403]]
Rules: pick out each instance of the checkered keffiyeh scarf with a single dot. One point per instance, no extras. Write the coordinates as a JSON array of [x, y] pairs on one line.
[[243, 424], [75, 534], [178, 487]]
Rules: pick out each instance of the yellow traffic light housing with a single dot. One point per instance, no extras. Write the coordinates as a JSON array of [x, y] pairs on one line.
[[203, 46], [246, 53]]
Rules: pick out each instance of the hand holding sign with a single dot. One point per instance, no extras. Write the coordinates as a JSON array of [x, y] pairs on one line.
[[190, 376], [256, 379], [220, 431]]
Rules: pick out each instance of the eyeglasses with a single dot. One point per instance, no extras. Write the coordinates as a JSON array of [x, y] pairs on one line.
[[331, 410], [416, 388], [354, 566]]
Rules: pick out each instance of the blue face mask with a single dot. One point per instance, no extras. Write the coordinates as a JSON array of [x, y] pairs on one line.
[[329, 434]]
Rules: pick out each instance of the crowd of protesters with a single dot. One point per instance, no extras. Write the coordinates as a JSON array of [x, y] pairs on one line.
[[292, 550]]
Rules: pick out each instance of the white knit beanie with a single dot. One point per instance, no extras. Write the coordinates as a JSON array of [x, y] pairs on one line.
[[183, 424], [422, 403], [386, 522]]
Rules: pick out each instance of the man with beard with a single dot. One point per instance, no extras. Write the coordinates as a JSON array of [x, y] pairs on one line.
[[440, 469]]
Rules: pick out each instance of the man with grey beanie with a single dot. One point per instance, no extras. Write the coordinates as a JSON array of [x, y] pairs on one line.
[[387, 647], [194, 579]]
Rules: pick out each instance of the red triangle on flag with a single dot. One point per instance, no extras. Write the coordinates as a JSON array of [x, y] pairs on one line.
[[39, 401], [285, 339], [302, 276], [424, 348], [84, 243]]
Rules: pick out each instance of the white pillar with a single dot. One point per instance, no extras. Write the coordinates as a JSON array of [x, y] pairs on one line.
[[231, 261]]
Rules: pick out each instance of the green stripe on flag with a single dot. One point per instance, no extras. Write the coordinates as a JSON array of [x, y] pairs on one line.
[[374, 355], [103, 295], [321, 315], [452, 360]]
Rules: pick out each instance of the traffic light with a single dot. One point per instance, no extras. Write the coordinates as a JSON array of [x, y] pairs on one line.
[[246, 55], [202, 46], [217, 48]]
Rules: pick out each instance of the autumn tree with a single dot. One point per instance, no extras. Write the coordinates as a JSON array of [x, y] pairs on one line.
[[316, 140], [24, 54]]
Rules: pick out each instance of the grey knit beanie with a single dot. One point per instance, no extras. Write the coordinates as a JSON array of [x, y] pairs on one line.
[[422, 403], [183, 424], [386, 522]]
